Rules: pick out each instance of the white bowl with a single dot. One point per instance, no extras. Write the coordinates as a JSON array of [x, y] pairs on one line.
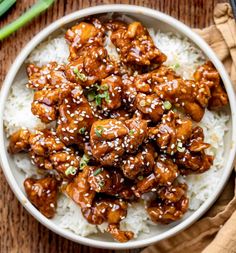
[[151, 18]]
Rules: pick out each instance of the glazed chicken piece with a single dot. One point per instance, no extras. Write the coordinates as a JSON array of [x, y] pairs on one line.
[[192, 96], [89, 60], [84, 33], [83, 189], [45, 142], [196, 142], [171, 133], [119, 235], [46, 76], [146, 184], [170, 205], [111, 90], [65, 162], [106, 140], [166, 171], [51, 88], [42, 193], [138, 130], [109, 181], [79, 190], [143, 82], [172, 193], [191, 162], [120, 114], [19, 141], [151, 106], [141, 163], [208, 75], [164, 174], [100, 180], [129, 91], [43, 111], [75, 119], [48, 152], [111, 211], [91, 65], [193, 159], [42, 144], [134, 44]]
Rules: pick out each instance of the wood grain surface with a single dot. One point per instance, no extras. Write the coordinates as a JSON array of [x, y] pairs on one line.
[[19, 231]]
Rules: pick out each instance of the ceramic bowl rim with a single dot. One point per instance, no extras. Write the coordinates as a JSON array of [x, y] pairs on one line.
[[130, 9]]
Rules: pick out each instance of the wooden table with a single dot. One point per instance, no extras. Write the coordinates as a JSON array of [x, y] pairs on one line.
[[19, 231]]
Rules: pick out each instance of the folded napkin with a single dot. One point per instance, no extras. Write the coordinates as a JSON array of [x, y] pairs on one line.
[[216, 231]]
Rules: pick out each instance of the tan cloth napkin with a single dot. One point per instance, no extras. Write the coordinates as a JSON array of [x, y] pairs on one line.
[[216, 231]]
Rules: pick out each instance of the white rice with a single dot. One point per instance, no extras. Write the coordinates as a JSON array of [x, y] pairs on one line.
[[53, 49], [180, 53], [17, 113]]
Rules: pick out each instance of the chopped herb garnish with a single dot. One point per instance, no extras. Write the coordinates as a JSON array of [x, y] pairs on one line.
[[140, 178], [101, 183], [167, 105], [131, 132], [98, 100], [76, 71], [97, 86], [180, 147], [71, 171], [98, 171], [80, 75], [104, 87], [104, 95], [84, 161], [98, 131], [107, 97], [82, 130], [91, 96], [175, 66], [142, 103]]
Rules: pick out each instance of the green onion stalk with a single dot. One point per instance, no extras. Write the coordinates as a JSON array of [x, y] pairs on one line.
[[34, 11], [5, 5]]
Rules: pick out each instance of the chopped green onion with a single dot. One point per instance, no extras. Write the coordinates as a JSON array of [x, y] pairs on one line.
[[98, 100], [80, 75], [91, 96], [98, 131], [142, 103], [175, 66], [5, 5], [180, 147], [84, 161], [131, 132], [104, 95], [101, 183], [140, 178], [34, 11], [97, 86], [82, 130], [107, 97], [71, 171], [76, 71], [98, 171], [167, 105], [104, 87]]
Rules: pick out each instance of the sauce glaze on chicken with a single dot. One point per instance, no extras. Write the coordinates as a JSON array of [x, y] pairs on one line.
[[123, 127]]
